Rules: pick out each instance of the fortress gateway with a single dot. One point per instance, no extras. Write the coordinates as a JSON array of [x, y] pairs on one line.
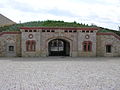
[[50, 41]]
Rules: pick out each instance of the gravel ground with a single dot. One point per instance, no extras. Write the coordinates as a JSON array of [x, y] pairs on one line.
[[60, 73]]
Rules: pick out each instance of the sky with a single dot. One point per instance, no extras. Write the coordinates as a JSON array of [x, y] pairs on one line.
[[104, 13]]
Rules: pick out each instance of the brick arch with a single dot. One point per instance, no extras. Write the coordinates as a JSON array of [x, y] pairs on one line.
[[62, 38]]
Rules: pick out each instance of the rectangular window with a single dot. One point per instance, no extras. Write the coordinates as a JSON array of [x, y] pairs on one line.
[[91, 31], [87, 31], [48, 30], [108, 48], [35, 30], [52, 30], [30, 30], [85, 47], [83, 31], [43, 30], [30, 45], [26, 30], [74, 31], [65, 31], [11, 48], [89, 47]]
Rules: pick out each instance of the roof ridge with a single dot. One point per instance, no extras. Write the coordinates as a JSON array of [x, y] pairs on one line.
[[6, 17]]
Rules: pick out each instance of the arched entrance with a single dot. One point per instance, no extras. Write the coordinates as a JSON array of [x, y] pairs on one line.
[[59, 47]]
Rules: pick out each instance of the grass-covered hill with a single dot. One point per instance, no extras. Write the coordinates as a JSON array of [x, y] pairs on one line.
[[48, 23], [105, 30], [52, 23]]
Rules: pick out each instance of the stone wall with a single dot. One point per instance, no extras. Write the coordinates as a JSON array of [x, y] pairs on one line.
[[25, 37], [8, 39], [43, 38], [71, 37], [104, 39], [4, 21], [75, 39], [83, 37]]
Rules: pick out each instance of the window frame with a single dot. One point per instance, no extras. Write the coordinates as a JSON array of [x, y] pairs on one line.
[[87, 46], [11, 48], [108, 48], [30, 45]]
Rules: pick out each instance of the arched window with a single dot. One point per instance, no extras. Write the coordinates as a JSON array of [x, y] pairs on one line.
[[30, 45], [87, 46]]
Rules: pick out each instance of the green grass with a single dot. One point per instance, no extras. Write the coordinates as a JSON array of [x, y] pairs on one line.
[[52, 23], [48, 23], [109, 30]]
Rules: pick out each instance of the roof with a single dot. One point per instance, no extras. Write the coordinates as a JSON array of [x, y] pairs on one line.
[[4, 21], [60, 28], [109, 31], [2, 33]]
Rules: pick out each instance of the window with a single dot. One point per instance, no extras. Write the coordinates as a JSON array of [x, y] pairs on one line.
[[83, 31], [52, 30], [91, 31], [84, 47], [35, 30], [108, 48], [26, 30], [48, 30], [65, 31], [30, 45], [74, 31], [30, 31], [87, 46], [11, 48], [87, 31], [70, 31], [43, 30]]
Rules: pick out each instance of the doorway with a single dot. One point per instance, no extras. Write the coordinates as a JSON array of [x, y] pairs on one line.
[[59, 47]]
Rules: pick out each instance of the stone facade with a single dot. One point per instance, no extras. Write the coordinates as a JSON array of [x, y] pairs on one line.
[[10, 40], [36, 41], [104, 39]]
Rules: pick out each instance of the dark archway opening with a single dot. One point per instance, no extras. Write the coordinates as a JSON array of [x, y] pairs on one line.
[[59, 47]]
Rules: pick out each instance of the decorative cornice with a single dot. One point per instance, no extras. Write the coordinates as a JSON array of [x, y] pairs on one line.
[[2, 33], [60, 28]]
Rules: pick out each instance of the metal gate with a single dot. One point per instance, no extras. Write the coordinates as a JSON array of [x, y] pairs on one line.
[[58, 47]]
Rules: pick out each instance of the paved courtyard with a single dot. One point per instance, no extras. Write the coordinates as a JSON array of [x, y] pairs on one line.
[[60, 73]]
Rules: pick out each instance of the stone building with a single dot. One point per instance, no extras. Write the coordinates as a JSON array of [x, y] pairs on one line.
[[52, 41], [4, 21]]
